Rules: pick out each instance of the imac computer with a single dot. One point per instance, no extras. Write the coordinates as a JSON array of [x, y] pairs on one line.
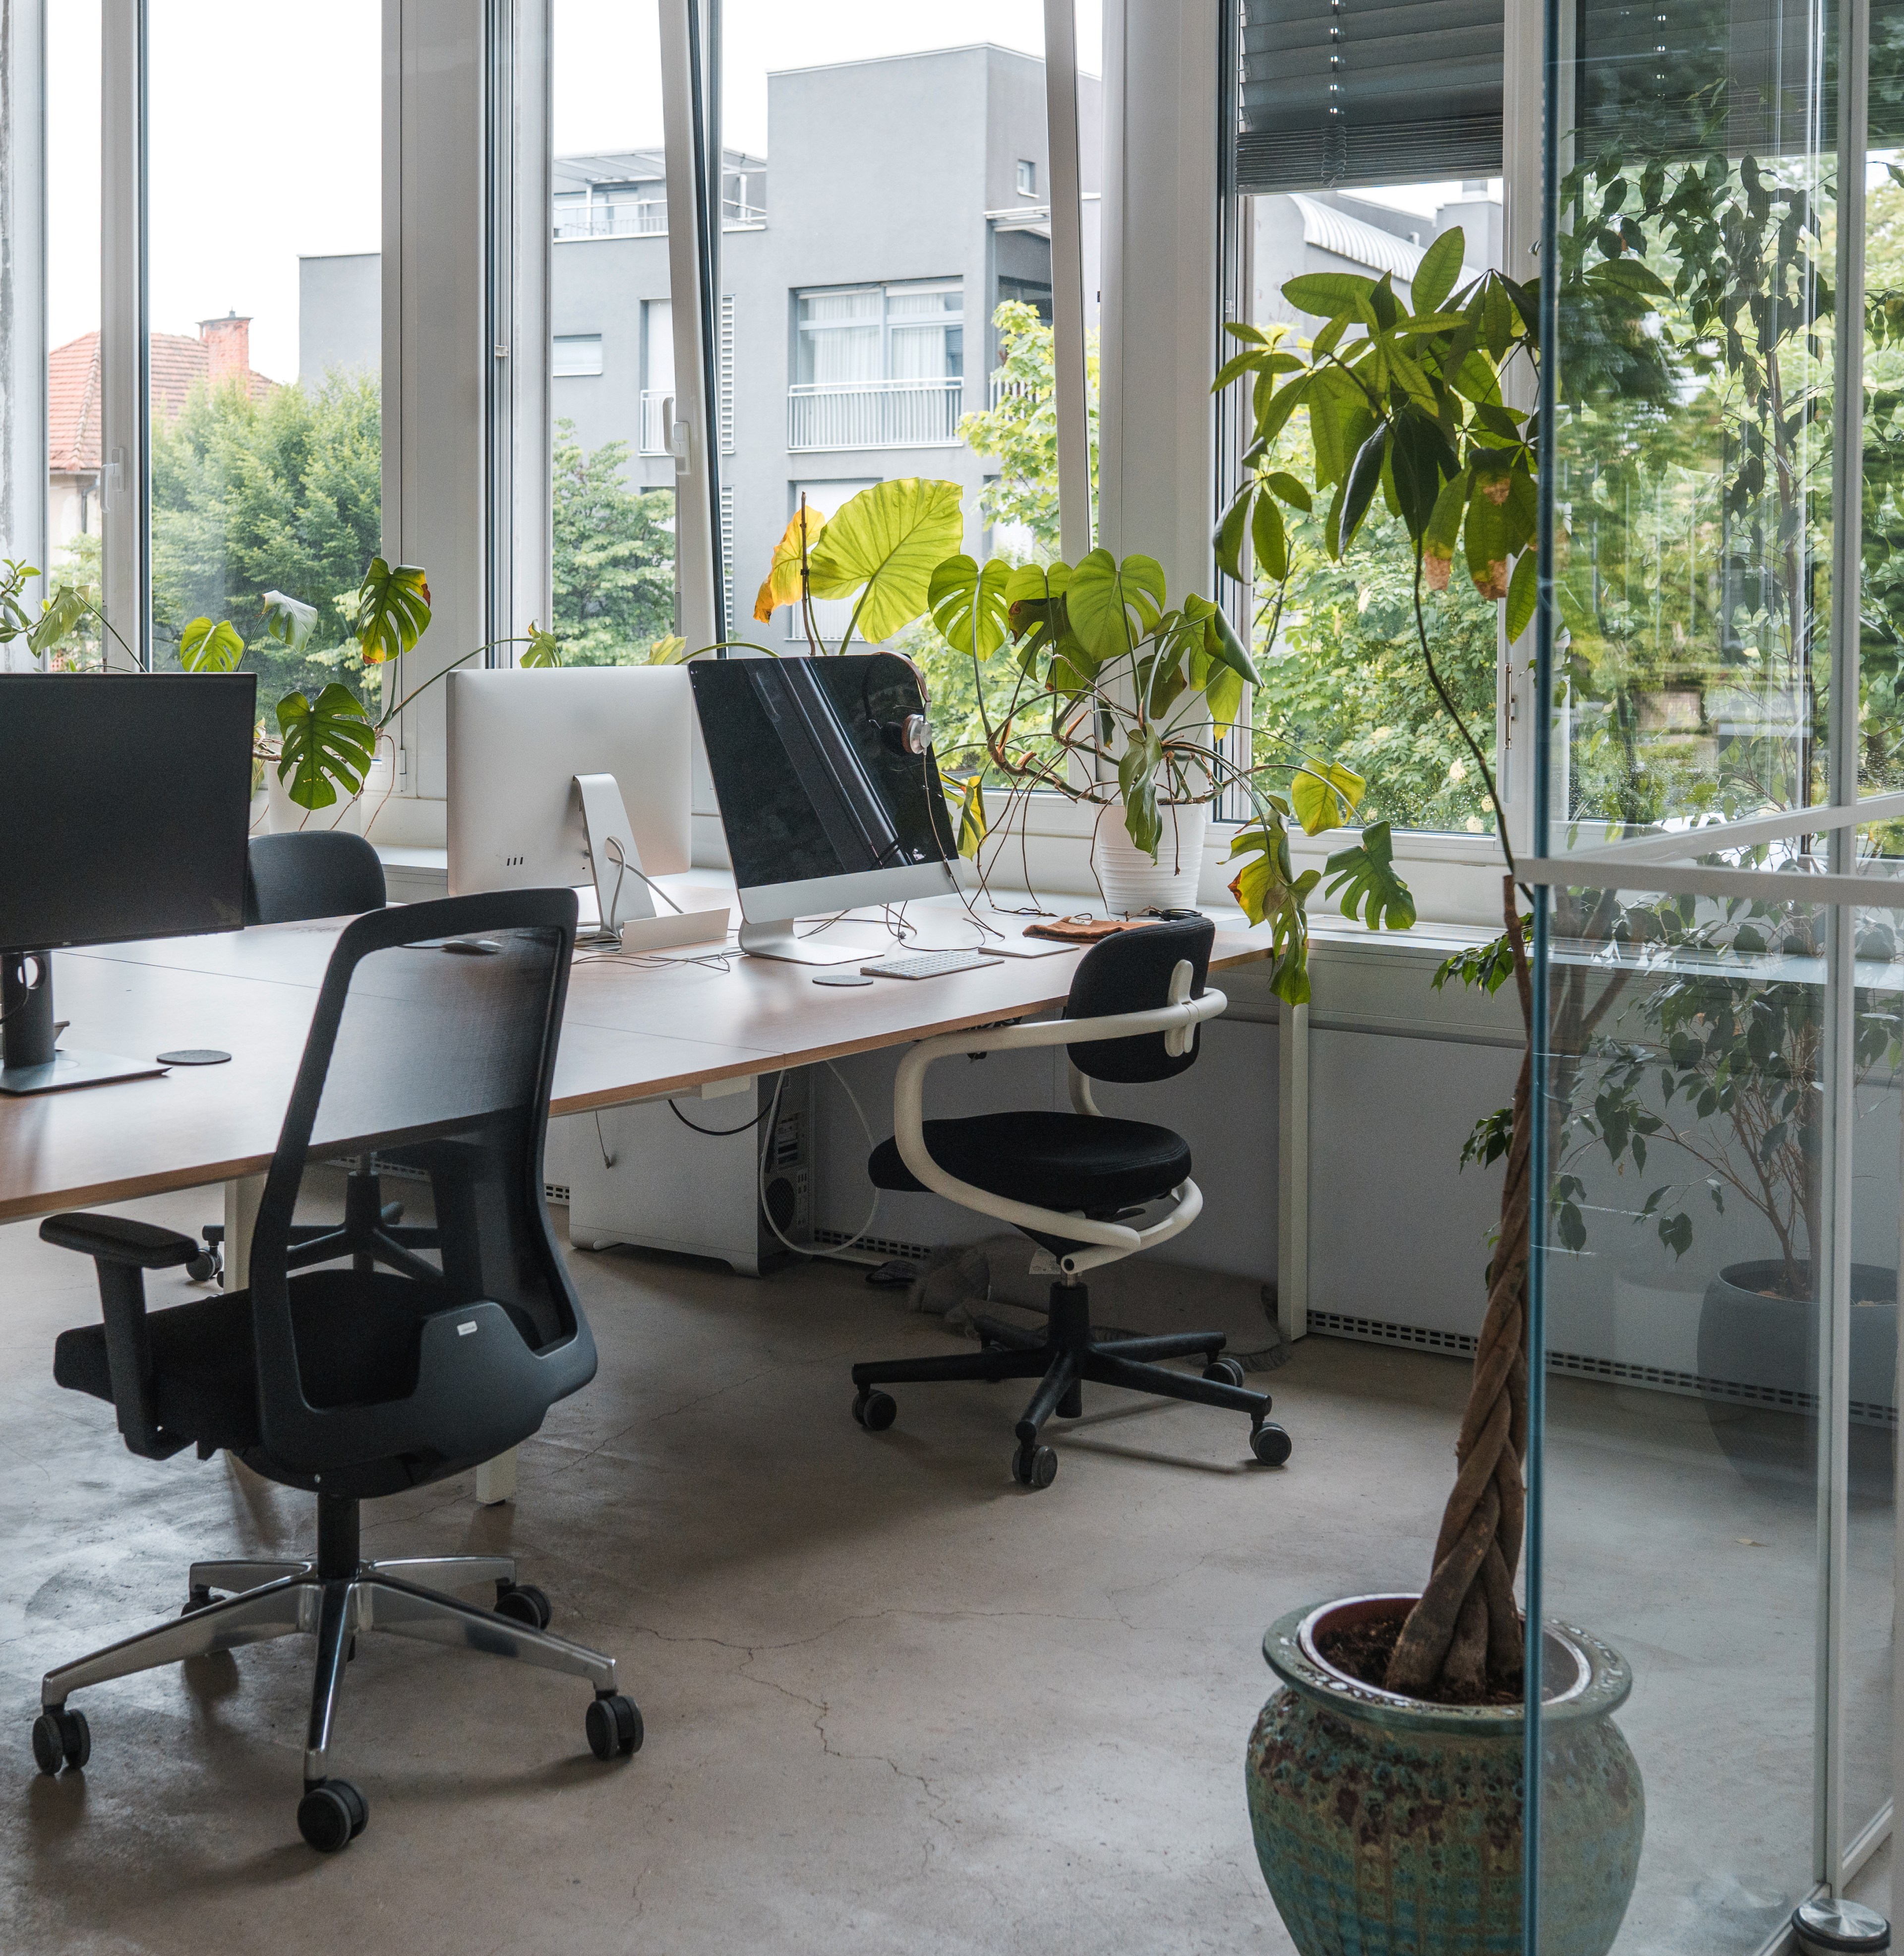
[[575, 775], [125, 801], [829, 790]]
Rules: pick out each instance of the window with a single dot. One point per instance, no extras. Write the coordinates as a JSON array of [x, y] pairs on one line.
[[1027, 177], [576, 354], [882, 333], [264, 297], [609, 297]]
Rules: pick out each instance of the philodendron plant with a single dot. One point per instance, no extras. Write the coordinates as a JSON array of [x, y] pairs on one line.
[[1405, 402], [1117, 697]]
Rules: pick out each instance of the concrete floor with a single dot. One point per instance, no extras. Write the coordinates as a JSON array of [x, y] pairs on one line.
[[893, 1702]]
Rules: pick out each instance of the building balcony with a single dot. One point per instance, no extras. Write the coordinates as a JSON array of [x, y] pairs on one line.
[[875, 414], [648, 219]]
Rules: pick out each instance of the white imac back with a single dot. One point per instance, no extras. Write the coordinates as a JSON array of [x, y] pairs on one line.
[[517, 741]]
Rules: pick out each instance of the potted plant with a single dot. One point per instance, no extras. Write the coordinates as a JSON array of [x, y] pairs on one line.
[[1385, 1777]]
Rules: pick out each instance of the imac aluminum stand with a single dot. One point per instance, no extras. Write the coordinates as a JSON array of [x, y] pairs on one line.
[[775, 937], [30, 1061], [623, 894]]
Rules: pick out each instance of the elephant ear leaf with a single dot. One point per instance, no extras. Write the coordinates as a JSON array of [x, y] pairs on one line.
[[883, 544], [782, 585], [968, 605], [1365, 875], [329, 743], [204, 647], [391, 614], [288, 620]]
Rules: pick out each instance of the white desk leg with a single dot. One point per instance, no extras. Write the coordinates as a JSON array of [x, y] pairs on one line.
[[496, 1480], [242, 1201]]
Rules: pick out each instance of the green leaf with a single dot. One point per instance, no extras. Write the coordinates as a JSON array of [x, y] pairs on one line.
[[1358, 491], [1219, 639], [1268, 539], [390, 614], [204, 647], [1112, 606], [1524, 589], [968, 605], [884, 545], [59, 617], [1440, 266], [329, 744], [670, 651], [1485, 536], [1319, 790], [1291, 491], [1325, 294], [288, 620], [1230, 531], [1443, 531], [1371, 889], [544, 650]]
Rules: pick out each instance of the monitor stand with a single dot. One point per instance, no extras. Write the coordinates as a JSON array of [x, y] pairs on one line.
[[623, 898], [774, 937], [30, 1060]]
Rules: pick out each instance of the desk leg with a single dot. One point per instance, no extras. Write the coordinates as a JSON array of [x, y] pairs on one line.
[[242, 1198], [496, 1480]]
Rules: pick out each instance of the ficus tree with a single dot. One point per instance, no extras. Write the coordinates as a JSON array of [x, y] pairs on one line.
[[1405, 401]]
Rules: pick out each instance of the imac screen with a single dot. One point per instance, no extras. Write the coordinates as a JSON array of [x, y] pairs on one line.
[[811, 770]]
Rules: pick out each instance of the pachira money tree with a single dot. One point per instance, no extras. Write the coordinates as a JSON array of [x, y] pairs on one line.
[[1411, 401]]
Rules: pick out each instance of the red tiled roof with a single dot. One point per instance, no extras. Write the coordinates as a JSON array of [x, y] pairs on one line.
[[178, 362]]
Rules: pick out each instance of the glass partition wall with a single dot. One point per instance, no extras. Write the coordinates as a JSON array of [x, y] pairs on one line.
[[1720, 945]]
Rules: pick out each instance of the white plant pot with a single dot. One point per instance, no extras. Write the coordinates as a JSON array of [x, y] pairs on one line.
[[1130, 880], [284, 815]]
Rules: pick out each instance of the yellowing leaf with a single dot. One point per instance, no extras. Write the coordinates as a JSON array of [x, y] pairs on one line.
[[782, 585], [1318, 792], [204, 647], [883, 545]]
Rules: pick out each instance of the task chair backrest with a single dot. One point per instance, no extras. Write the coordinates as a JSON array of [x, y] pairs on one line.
[[449, 1056], [311, 873], [1130, 972]]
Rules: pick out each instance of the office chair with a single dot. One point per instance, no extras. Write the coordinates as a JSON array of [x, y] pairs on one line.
[[288, 879], [1071, 1182], [351, 1384]]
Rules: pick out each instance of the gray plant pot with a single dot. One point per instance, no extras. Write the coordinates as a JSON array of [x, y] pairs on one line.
[[1770, 1343]]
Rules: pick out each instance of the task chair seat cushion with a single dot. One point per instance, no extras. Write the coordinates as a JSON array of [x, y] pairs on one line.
[[357, 1340], [1086, 1161]]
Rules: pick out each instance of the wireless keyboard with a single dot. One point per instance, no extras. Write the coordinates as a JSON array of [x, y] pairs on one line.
[[929, 964]]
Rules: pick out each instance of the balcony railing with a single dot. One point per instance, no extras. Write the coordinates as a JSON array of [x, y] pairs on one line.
[[1003, 388], [875, 414], [654, 421], [646, 219]]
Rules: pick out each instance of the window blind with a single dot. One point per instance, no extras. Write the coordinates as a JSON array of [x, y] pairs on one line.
[[1337, 93]]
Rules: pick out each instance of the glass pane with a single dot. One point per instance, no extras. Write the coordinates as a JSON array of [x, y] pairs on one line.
[[613, 571], [1679, 1466], [266, 469], [1342, 670], [73, 439], [1693, 543], [892, 307]]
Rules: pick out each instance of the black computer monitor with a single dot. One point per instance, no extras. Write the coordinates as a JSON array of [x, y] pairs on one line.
[[830, 794], [125, 804]]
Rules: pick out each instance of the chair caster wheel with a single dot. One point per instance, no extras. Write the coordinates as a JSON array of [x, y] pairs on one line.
[[1224, 1372], [614, 1727], [874, 1411], [332, 1814], [1034, 1466], [1271, 1445], [523, 1603], [199, 1598], [62, 1738], [202, 1269]]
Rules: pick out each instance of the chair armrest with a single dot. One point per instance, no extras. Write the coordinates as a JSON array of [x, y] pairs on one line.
[[121, 1250], [120, 1239]]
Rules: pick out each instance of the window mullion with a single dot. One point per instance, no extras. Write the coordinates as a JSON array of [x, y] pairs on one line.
[[125, 337], [1071, 378]]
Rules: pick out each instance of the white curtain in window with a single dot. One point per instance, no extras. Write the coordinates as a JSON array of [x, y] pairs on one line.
[[840, 336]]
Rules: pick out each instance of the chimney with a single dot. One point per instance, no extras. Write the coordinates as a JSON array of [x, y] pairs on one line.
[[229, 341]]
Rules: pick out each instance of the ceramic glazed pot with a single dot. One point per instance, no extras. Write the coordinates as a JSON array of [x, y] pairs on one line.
[[1389, 1827], [1131, 881], [1748, 1338]]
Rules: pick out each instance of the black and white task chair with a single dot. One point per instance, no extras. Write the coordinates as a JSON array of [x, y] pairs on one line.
[[1077, 1184], [292, 878], [435, 1029]]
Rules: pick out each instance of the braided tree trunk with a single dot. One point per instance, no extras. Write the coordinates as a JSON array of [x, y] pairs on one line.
[[1466, 1622]]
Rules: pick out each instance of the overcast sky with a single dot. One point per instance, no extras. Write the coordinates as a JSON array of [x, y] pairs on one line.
[[266, 130]]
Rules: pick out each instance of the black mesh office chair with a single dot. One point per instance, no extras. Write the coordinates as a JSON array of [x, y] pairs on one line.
[[351, 1384], [290, 878], [1072, 1183]]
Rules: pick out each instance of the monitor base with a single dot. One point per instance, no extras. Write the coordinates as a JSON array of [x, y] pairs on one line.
[[778, 940], [75, 1067]]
